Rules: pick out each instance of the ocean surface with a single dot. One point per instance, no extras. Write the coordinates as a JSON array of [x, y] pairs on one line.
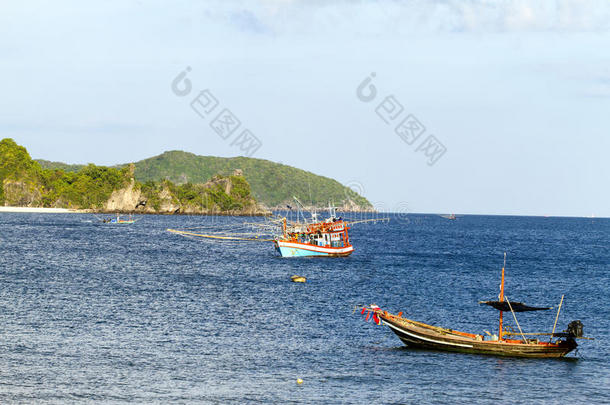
[[134, 314]]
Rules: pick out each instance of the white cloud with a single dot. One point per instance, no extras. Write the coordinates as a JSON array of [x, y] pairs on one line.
[[390, 17]]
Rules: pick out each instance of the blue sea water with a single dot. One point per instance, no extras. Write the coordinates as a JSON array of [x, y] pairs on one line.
[[99, 313]]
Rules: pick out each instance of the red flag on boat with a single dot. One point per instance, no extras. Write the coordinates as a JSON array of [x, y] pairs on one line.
[[376, 319]]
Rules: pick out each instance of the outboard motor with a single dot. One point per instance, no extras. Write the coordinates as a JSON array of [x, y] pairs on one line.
[[575, 329]]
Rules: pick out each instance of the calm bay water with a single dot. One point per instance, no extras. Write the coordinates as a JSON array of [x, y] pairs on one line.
[[92, 312]]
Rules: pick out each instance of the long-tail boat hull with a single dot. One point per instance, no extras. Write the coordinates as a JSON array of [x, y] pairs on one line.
[[418, 335]]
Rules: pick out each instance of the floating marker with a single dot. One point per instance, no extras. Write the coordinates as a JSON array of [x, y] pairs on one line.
[[298, 279]]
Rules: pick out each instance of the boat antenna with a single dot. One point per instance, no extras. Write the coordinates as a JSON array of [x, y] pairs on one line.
[[310, 196], [332, 210]]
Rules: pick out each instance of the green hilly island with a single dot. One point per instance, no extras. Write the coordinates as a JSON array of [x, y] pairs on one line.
[[27, 183], [272, 184]]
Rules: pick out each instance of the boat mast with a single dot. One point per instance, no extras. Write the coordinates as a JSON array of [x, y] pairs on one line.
[[502, 296], [284, 228], [301, 207], [332, 210]]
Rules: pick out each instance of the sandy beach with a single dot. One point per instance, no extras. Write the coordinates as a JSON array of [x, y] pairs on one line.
[[33, 210]]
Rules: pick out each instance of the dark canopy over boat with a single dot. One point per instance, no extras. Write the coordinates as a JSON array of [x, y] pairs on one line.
[[516, 306]]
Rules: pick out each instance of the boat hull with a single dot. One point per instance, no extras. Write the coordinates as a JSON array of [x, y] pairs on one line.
[[417, 335], [296, 249]]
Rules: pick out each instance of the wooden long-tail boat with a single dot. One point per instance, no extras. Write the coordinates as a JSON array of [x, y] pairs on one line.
[[420, 335]]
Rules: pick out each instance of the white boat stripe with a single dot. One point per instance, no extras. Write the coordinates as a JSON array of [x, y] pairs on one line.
[[321, 249]]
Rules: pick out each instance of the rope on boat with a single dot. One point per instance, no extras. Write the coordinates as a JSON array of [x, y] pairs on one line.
[[546, 334], [244, 225], [515, 316], [367, 220], [556, 318], [184, 233]]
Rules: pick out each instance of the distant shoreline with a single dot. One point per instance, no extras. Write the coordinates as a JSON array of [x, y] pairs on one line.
[[40, 210]]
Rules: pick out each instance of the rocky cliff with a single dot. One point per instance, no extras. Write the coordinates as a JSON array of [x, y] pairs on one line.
[[166, 198]]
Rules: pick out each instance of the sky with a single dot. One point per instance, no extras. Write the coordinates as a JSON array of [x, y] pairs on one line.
[[444, 106]]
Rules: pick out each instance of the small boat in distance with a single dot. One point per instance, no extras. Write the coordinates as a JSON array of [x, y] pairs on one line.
[[450, 216], [118, 220], [420, 335]]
